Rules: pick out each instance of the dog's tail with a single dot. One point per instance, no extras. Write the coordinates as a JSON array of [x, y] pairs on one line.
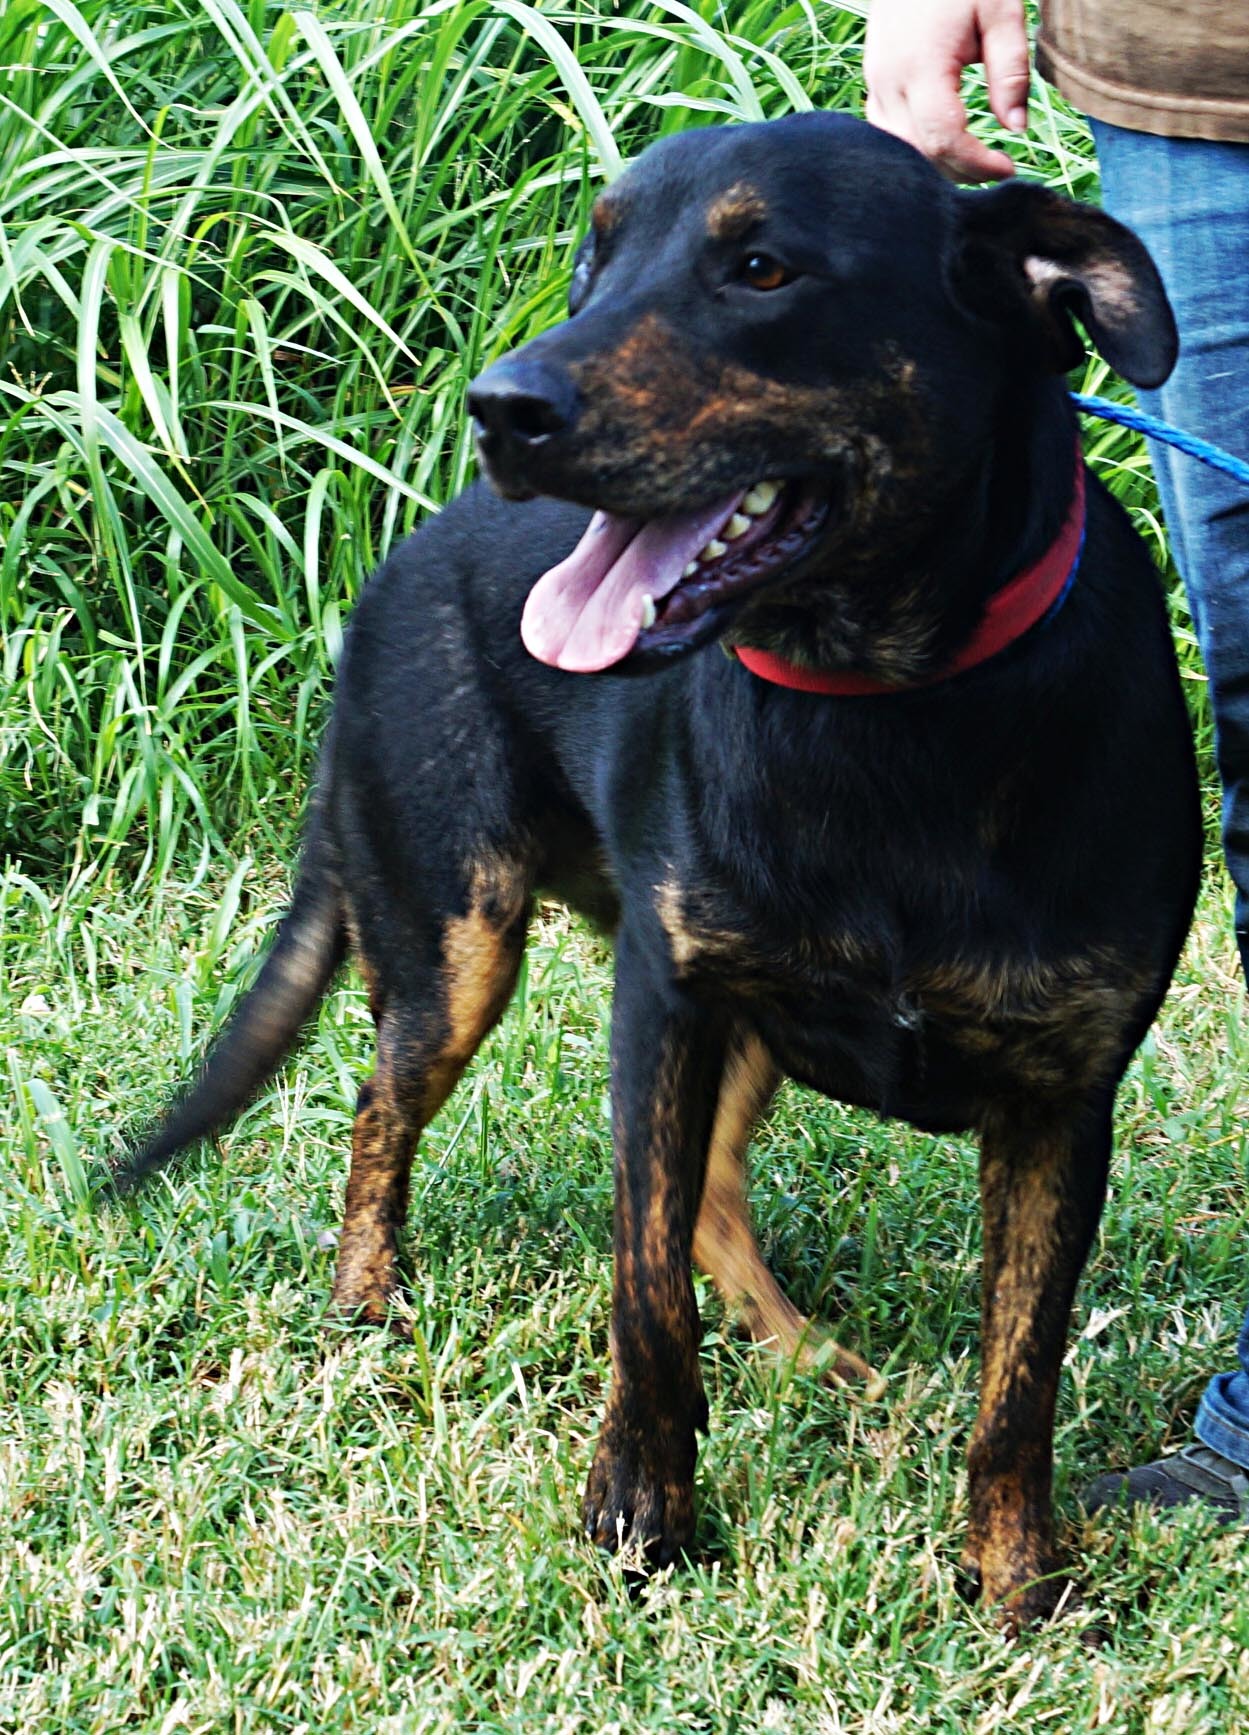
[[310, 945]]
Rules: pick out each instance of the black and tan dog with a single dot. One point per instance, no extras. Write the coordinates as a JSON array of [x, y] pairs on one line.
[[926, 839]]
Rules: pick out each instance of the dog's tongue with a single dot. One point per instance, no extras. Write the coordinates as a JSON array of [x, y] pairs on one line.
[[586, 613]]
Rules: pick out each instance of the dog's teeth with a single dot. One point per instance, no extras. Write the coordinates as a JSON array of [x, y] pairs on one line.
[[690, 570], [737, 526], [714, 549], [761, 496], [650, 613]]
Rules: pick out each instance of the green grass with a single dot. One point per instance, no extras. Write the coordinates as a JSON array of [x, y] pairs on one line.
[[215, 1500], [249, 259]]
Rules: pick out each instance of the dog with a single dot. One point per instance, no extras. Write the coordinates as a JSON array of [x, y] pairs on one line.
[[793, 647]]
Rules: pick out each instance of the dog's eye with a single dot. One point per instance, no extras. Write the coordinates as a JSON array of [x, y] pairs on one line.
[[762, 271]]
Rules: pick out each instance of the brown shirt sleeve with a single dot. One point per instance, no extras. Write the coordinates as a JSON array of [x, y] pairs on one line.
[[1176, 67]]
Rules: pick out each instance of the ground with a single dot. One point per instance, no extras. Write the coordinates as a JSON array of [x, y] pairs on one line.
[[221, 1511]]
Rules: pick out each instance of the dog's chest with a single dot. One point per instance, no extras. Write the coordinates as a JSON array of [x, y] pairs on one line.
[[852, 1008]]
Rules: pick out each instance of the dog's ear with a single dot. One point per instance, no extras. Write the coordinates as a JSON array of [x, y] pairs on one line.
[[1025, 250]]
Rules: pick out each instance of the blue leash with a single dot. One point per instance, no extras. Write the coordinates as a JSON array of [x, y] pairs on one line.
[[1157, 429]]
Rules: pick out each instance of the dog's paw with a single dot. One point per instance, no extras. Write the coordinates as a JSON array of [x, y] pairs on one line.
[[370, 1304], [639, 1495], [1017, 1592], [821, 1356], [1031, 1604]]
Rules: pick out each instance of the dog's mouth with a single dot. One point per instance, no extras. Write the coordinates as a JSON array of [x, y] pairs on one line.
[[655, 588]]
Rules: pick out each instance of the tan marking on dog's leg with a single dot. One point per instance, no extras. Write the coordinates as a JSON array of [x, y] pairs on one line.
[[667, 1062], [420, 1061], [382, 1142], [724, 1239], [1041, 1196]]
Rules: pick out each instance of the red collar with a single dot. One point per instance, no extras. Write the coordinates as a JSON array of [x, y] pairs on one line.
[[1008, 615]]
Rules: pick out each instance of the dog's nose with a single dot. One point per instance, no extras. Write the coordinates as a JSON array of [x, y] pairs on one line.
[[521, 399]]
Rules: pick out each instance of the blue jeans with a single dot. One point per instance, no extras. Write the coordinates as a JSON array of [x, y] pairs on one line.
[[1188, 200]]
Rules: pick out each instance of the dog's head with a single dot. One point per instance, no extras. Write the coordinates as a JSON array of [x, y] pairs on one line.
[[791, 346]]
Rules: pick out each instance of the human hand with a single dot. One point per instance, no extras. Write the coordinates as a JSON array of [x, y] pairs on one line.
[[913, 60]]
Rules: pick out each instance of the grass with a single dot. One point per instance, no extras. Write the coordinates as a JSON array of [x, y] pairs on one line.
[[220, 1512], [249, 258]]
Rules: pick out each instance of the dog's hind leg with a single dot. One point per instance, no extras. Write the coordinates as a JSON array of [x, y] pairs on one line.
[[433, 1005], [724, 1240], [1042, 1184]]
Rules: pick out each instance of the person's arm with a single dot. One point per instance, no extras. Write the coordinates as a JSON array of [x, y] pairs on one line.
[[913, 60]]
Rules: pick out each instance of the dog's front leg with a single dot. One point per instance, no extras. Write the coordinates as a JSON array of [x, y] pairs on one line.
[[1042, 1185], [667, 1059]]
